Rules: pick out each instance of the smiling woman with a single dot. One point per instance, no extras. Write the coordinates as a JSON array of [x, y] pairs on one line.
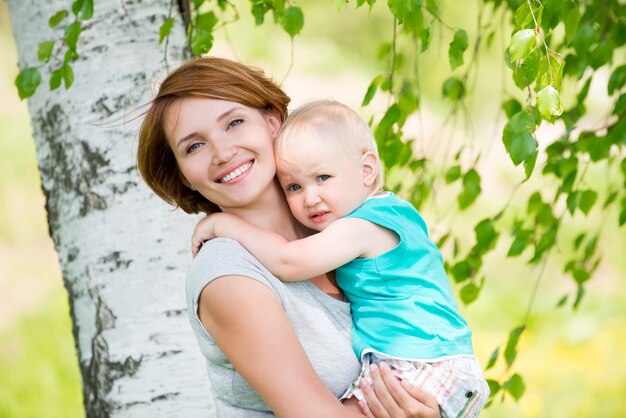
[[224, 150], [206, 144]]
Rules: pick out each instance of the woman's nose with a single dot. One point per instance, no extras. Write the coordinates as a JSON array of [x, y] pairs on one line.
[[223, 153]]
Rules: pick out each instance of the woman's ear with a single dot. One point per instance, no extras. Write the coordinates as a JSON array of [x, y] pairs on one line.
[[274, 122], [370, 164]]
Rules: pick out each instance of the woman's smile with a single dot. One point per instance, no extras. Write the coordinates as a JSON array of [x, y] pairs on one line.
[[235, 175]]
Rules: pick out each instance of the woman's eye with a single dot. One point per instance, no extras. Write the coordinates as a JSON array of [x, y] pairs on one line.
[[293, 187], [324, 177], [193, 147], [234, 123]]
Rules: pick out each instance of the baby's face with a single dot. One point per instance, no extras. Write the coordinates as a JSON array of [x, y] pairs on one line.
[[321, 183]]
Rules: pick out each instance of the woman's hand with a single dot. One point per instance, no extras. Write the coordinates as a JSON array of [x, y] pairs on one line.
[[387, 397]]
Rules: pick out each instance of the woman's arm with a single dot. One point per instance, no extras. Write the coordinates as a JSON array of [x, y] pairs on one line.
[[342, 241], [250, 326]]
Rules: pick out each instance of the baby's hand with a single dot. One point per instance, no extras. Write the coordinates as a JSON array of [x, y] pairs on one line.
[[204, 231], [213, 226]]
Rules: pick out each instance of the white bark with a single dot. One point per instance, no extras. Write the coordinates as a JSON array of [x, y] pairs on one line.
[[123, 252]]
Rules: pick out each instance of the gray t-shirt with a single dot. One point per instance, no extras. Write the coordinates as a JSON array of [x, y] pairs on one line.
[[322, 323]]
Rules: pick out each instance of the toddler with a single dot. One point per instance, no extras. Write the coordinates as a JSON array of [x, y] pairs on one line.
[[391, 273]]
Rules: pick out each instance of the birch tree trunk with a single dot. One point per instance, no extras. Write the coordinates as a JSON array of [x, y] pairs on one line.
[[123, 252]]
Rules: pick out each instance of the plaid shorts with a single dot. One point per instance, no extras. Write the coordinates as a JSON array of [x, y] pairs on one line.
[[457, 382]]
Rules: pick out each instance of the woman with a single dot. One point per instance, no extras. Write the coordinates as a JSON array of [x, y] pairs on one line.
[[206, 145]]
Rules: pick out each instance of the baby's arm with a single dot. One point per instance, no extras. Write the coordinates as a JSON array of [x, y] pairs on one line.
[[341, 242]]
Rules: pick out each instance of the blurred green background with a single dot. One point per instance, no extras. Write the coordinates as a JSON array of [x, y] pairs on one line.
[[572, 362]]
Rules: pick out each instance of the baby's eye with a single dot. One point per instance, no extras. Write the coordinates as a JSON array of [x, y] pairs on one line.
[[323, 177], [293, 187], [191, 148], [234, 123]]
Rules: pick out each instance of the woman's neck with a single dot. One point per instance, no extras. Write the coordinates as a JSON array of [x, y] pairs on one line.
[[271, 213]]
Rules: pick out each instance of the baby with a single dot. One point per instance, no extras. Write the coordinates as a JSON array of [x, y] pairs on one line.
[[391, 273]]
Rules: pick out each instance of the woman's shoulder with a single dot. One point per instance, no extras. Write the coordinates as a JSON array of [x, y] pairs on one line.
[[226, 257]]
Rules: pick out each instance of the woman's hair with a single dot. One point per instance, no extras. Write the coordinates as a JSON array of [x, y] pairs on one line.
[[210, 77], [335, 122]]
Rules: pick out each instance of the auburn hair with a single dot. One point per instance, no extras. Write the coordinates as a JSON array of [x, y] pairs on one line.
[[210, 77]]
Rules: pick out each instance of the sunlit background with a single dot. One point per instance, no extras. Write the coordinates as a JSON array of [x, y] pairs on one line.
[[573, 362]]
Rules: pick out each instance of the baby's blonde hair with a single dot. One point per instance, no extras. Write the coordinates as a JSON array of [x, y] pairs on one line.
[[334, 121]]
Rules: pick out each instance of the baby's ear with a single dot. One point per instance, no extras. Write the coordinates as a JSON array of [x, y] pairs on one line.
[[370, 164]]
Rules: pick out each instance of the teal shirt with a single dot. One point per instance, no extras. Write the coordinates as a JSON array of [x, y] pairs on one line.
[[402, 303]]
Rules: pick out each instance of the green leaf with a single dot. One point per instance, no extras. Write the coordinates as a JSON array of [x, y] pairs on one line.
[[620, 105], [27, 82], [453, 88], [521, 241], [206, 21], [579, 239], [72, 32], [292, 20], [469, 293], [562, 301], [572, 202], [166, 29], [622, 214], [510, 352], [259, 9], [201, 42], [486, 235], [617, 79], [522, 44], [77, 6], [340, 3], [392, 115], [68, 76], [425, 37], [69, 56], [550, 71], [83, 9], [453, 174], [57, 18], [493, 359], [458, 45], [582, 40], [494, 387], [471, 189], [549, 103], [45, 50], [530, 67], [511, 107], [524, 18], [601, 54], [371, 90], [515, 386], [399, 8], [518, 138], [571, 23], [587, 200], [610, 199], [579, 297], [56, 78], [529, 164], [461, 271], [413, 22], [198, 3]]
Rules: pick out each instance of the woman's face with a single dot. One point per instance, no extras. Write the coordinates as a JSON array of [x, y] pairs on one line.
[[223, 149]]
